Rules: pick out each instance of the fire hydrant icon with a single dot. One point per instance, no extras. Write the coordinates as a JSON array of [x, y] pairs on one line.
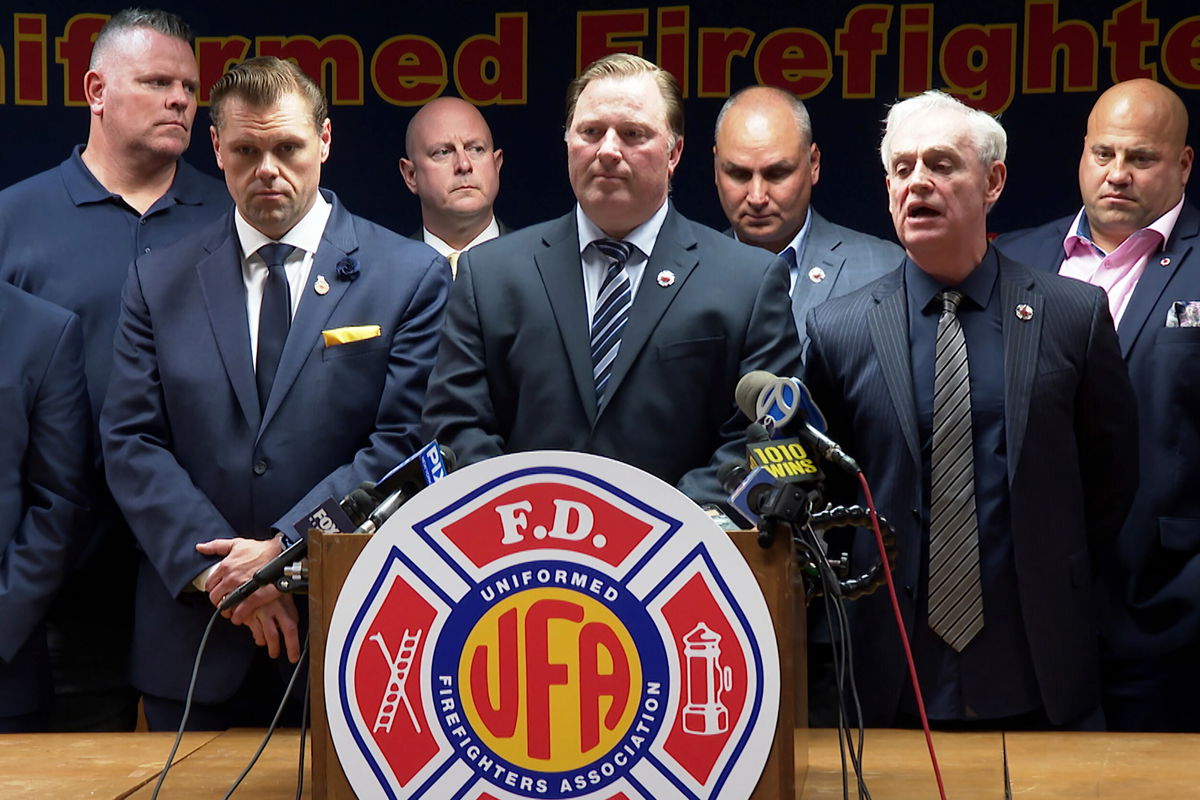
[[704, 713]]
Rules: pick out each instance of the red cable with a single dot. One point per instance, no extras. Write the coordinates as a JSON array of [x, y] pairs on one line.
[[912, 667]]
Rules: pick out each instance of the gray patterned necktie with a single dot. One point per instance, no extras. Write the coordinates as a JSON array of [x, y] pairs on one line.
[[955, 592]]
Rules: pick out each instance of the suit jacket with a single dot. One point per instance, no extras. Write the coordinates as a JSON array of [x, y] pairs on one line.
[[193, 457], [514, 370], [1152, 576], [1068, 417], [45, 484]]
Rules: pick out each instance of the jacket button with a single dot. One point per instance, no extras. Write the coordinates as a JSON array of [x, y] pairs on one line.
[[916, 512], [260, 467]]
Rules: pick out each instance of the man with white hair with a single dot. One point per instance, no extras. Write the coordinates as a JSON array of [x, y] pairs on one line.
[[988, 404]]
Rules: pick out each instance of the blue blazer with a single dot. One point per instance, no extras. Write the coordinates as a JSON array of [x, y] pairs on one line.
[[45, 484], [1069, 415], [1151, 577], [514, 371], [190, 456]]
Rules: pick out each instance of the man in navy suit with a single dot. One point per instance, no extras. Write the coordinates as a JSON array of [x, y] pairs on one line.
[[989, 408], [766, 164], [274, 360], [453, 168], [45, 486], [1136, 236], [622, 328], [68, 235]]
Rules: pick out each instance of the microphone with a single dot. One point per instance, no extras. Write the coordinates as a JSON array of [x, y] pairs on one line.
[[427, 465], [785, 404], [266, 574]]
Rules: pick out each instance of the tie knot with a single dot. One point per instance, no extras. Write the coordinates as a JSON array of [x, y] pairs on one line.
[[950, 300], [276, 253], [789, 257], [615, 250]]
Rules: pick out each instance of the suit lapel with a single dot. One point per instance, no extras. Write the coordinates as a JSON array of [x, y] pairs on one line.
[[337, 242], [1022, 338], [818, 252], [1154, 280], [221, 282], [558, 264], [674, 250], [888, 323]]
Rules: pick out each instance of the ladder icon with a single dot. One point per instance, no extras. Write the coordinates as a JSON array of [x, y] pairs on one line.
[[396, 691]]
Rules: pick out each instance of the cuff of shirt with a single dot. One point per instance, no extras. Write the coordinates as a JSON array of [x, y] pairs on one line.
[[200, 580]]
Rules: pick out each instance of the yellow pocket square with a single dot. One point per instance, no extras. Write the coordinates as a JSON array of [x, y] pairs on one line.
[[352, 333]]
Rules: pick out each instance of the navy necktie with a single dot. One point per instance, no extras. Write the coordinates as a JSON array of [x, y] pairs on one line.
[[274, 317], [612, 312]]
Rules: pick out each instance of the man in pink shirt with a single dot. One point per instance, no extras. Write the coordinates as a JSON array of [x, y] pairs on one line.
[[1137, 237]]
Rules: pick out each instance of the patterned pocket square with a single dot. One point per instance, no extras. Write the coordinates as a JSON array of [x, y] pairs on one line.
[[1184, 315], [353, 333]]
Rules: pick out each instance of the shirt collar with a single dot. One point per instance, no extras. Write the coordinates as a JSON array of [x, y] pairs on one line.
[[305, 234], [437, 243], [798, 241], [977, 286], [1079, 232], [83, 187], [642, 237]]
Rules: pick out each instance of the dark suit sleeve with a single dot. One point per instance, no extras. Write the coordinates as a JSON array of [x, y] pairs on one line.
[[397, 419], [770, 343], [56, 467], [167, 512], [459, 411], [1106, 420]]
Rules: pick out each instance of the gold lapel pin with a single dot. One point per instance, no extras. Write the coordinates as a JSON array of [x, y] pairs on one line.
[[321, 286]]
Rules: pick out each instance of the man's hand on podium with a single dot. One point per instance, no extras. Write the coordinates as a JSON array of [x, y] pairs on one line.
[[240, 559]]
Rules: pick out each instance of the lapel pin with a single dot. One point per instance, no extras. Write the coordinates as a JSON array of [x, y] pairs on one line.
[[1024, 312], [321, 286], [665, 278], [1165, 262], [816, 274]]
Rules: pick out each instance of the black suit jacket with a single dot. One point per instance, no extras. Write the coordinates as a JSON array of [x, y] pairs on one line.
[[1152, 576], [514, 371], [1069, 417]]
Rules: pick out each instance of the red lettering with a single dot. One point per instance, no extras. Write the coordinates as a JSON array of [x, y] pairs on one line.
[[795, 59], [540, 672], [672, 43], [916, 49], [338, 56], [596, 34], [491, 69], [594, 684], [718, 46], [1126, 34], [408, 70], [978, 62], [1046, 39], [214, 54], [499, 717], [1181, 53], [74, 50], [860, 42], [29, 40]]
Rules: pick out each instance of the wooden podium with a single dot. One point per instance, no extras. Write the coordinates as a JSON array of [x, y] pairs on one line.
[[330, 557]]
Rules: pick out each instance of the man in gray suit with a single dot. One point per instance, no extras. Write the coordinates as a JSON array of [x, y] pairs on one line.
[[766, 164]]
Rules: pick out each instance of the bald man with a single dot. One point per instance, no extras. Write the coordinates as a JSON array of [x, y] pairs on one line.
[[1136, 236], [454, 169], [766, 164]]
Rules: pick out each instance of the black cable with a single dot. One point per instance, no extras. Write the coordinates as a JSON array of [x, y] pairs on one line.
[[303, 731], [274, 722], [187, 705]]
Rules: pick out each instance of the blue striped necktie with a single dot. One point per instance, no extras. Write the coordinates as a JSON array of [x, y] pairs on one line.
[[612, 312], [955, 591]]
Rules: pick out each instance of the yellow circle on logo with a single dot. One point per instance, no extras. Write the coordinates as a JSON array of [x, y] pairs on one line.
[[550, 679]]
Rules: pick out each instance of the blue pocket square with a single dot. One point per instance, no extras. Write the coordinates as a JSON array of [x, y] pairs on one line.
[[1184, 314]]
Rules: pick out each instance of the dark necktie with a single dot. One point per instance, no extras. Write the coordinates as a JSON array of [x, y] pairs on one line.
[[789, 257], [612, 312], [955, 593], [274, 317]]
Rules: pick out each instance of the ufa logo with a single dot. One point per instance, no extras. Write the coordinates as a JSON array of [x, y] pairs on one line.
[[551, 625]]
